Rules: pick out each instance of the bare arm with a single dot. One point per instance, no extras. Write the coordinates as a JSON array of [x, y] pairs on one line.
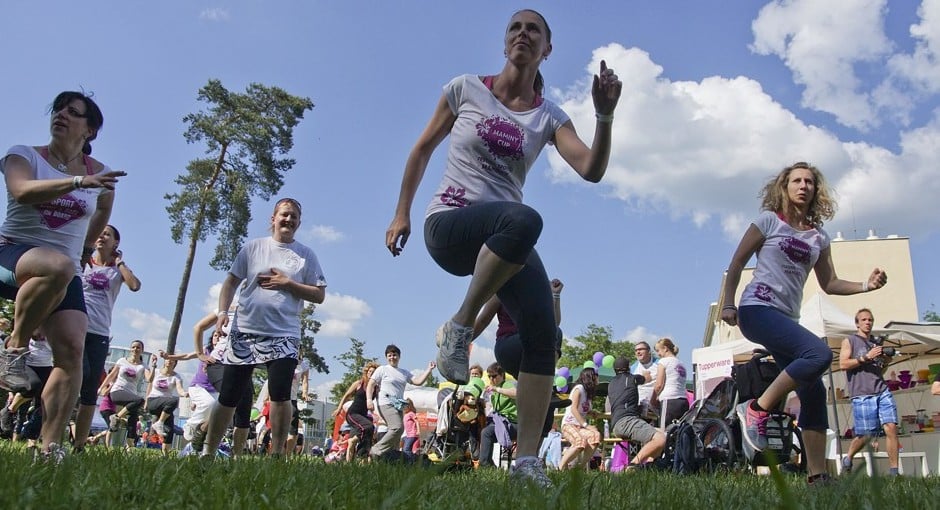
[[660, 381], [576, 396], [418, 381], [830, 283], [557, 286], [97, 223], [305, 385], [370, 393], [750, 243], [180, 390], [226, 295], [354, 387], [108, 380], [591, 164], [23, 186], [130, 279], [442, 120]]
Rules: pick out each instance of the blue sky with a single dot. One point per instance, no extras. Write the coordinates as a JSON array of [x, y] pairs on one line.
[[717, 97]]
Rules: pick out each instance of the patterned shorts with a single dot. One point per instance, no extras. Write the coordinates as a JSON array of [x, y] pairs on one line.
[[587, 437], [872, 412], [252, 349]]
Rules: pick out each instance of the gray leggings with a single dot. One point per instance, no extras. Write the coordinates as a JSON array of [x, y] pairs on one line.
[[510, 230], [393, 419]]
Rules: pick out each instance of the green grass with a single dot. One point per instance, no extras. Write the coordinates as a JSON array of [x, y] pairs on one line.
[[142, 479]]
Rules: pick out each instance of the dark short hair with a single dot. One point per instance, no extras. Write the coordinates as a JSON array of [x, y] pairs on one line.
[[392, 348], [117, 235], [93, 115]]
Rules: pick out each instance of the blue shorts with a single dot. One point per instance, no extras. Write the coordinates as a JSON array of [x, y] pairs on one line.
[[10, 254], [872, 412]]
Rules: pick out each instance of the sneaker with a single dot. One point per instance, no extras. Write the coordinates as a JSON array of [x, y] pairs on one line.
[[453, 355], [158, 428], [847, 464], [754, 424], [531, 471], [113, 423], [821, 480], [55, 454], [199, 439], [6, 422], [13, 375]]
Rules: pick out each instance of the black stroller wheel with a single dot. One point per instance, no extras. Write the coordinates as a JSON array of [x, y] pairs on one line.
[[721, 453]]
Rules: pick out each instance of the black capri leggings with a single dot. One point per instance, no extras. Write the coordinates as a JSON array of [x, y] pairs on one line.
[[510, 230], [237, 378]]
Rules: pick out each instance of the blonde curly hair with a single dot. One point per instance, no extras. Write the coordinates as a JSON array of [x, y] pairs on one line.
[[775, 199]]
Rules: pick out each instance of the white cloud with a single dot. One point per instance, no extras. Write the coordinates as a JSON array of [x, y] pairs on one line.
[[482, 354], [152, 328], [338, 314], [323, 389], [211, 303], [702, 150], [922, 67], [215, 14], [325, 234], [822, 43]]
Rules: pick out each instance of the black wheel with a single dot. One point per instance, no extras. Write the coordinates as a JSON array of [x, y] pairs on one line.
[[797, 454], [721, 452]]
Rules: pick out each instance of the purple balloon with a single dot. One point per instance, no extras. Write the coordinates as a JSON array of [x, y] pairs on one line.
[[563, 389], [564, 372], [598, 358]]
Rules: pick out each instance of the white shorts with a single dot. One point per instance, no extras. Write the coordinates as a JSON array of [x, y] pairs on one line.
[[202, 401]]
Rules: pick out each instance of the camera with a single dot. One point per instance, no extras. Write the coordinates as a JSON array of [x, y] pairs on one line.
[[880, 340]]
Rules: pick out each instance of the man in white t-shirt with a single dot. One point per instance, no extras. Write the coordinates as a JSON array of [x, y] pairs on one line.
[[645, 362]]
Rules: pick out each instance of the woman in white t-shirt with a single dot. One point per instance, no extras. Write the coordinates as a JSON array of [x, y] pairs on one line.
[[102, 280], [58, 200], [789, 242], [125, 386], [279, 275], [669, 388], [476, 223], [166, 388]]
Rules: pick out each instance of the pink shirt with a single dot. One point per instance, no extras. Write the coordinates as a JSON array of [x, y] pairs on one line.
[[411, 424]]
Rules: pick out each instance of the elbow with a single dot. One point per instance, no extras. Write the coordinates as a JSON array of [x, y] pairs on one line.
[[593, 178]]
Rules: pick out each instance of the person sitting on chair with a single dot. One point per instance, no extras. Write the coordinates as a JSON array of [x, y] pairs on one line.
[[503, 400], [624, 401]]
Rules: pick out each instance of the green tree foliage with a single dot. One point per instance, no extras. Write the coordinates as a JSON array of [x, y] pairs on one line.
[[352, 360], [309, 327], [931, 315], [247, 136], [597, 338]]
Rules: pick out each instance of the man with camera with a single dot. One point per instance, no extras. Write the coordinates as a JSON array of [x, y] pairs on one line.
[[864, 359]]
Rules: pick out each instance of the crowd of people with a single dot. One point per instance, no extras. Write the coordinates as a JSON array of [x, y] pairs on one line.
[[62, 267]]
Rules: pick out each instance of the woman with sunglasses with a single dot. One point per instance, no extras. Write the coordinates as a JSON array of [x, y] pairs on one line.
[[58, 201]]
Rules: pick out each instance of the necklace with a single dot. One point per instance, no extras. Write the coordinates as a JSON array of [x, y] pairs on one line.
[[63, 165]]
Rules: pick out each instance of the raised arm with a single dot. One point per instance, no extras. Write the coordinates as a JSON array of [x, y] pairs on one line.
[[418, 381], [97, 223], [442, 120], [354, 387], [226, 295], [591, 163], [130, 279], [557, 286]]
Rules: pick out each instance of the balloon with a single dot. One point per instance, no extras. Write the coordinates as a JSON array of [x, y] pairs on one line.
[[563, 389], [608, 361], [564, 372], [598, 358], [589, 364], [560, 381]]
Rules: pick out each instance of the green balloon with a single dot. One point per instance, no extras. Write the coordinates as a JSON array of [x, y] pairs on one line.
[[589, 364], [560, 381], [608, 361], [255, 413]]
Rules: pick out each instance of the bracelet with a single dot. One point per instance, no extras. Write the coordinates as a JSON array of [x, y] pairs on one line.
[[121, 263], [221, 313], [556, 295], [729, 307], [604, 117], [865, 286], [861, 360], [77, 181]]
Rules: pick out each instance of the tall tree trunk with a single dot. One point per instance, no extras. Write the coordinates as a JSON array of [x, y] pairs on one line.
[[190, 257]]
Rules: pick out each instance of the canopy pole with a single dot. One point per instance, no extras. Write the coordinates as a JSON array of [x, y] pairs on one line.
[[835, 416]]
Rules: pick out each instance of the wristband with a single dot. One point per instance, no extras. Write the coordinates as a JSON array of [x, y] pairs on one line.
[[77, 181], [221, 313], [556, 295], [865, 286], [604, 117], [121, 263], [729, 307]]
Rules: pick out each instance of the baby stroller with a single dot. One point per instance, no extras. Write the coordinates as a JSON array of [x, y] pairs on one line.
[[461, 416], [718, 429]]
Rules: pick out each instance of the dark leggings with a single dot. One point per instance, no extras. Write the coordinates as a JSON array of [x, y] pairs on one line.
[[96, 350], [158, 405], [510, 230], [236, 381], [364, 429], [242, 418], [133, 412]]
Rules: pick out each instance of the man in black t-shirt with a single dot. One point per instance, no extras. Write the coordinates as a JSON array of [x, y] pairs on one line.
[[623, 398]]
